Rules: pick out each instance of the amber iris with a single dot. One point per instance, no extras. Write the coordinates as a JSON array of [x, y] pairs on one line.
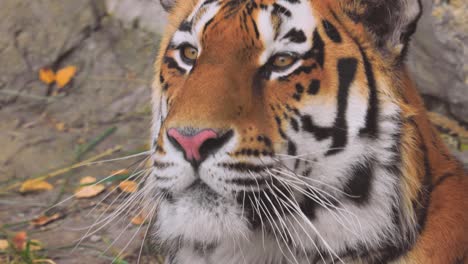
[[283, 61], [189, 53]]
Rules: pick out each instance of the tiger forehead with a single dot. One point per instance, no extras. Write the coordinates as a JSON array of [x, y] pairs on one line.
[[246, 17]]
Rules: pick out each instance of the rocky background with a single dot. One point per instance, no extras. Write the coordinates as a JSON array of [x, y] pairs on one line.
[[113, 44]]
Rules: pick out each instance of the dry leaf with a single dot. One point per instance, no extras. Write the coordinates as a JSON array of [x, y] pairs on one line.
[[87, 180], [128, 186], [4, 244], [45, 220], [119, 172], [89, 191], [46, 75], [19, 240], [60, 126], [35, 186], [139, 219], [64, 76]]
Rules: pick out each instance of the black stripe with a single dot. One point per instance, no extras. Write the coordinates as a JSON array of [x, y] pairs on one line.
[[267, 199], [254, 25], [331, 31], [280, 10], [248, 182], [292, 148], [245, 167], [320, 133], [442, 179], [185, 26], [421, 204], [308, 205], [299, 92], [296, 36], [207, 2], [346, 73], [294, 124], [172, 64], [359, 184], [314, 87], [371, 128], [318, 48], [205, 27]]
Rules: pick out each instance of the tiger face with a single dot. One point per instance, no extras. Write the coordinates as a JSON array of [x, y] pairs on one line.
[[276, 131]]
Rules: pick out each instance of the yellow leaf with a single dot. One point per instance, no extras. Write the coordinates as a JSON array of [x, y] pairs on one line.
[[65, 75], [44, 219], [89, 191], [119, 172], [60, 126], [138, 219], [87, 180], [46, 75], [3, 244], [35, 186], [128, 186]]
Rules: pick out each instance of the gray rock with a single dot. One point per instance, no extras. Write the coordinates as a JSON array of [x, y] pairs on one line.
[[147, 14], [437, 62], [37, 34]]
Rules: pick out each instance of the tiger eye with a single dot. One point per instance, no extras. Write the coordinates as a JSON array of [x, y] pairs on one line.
[[283, 61], [190, 53]]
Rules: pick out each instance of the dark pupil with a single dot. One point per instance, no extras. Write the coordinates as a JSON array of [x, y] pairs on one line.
[[191, 53], [283, 61]]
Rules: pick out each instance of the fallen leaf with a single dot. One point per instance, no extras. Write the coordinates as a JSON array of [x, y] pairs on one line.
[[45, 220], [139, 219], [87, 180], [128, 186], [89, 191], [64, 76], [19, 240], [35, 186], [60, 126], [4, 244], [119, 172], [46, 75]]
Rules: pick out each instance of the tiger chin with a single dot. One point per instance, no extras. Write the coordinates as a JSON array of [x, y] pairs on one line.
[[288, 131]]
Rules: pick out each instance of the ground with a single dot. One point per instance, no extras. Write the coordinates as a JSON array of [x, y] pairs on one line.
[[106, 106], [41, 130]]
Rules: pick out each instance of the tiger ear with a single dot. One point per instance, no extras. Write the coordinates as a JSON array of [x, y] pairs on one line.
[[391, 22], [167, 4]]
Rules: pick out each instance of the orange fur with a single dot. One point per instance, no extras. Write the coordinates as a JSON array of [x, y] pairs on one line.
[[218, 102]]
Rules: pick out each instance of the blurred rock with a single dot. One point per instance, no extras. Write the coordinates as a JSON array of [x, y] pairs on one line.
[[147, 14], [115, 69], [35, 34], [437, 59]]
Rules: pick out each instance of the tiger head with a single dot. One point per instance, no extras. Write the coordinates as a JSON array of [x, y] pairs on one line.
[[277, 122]]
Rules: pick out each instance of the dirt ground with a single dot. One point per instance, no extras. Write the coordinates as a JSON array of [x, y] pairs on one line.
[[42, 127]]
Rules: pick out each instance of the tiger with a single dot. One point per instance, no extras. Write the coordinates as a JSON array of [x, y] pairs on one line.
[[290, 131]]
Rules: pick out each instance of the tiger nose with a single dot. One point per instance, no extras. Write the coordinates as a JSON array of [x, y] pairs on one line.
[[197, 144]]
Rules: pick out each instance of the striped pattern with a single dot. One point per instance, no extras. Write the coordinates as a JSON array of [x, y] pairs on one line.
[[321, 167]]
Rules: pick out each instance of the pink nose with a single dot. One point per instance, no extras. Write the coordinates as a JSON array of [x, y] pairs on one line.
[[190, 144]]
